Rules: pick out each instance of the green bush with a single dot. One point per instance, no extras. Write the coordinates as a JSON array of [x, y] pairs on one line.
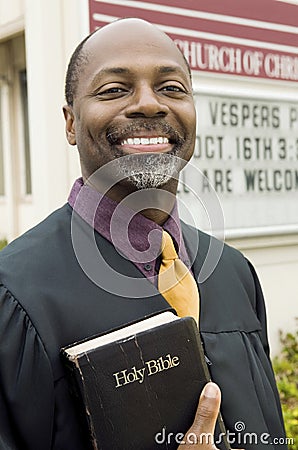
[[3, 243], [286, 371]]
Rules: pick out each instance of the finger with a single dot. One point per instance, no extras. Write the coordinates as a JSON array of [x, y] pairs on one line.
[[207, 411]]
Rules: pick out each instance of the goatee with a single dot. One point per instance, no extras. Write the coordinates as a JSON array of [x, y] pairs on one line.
[[149, 170]]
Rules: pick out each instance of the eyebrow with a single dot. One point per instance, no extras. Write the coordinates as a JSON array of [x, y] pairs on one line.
[[125, 70], [170, 69]]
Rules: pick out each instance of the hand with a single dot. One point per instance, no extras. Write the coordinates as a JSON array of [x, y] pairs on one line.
[[200, 435]]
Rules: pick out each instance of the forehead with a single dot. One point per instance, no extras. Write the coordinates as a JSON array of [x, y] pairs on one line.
[[131, 43]]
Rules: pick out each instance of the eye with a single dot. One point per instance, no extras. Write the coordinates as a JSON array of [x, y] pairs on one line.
[[173, 89], [111, 92]]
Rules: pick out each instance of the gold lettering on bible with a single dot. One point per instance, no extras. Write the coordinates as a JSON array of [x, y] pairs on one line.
[[151, 367]]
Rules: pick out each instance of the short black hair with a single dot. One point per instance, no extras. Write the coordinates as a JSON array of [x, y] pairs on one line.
[[78, 60]]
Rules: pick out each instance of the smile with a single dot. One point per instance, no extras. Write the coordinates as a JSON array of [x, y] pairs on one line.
[[146, 144], [145, 140]]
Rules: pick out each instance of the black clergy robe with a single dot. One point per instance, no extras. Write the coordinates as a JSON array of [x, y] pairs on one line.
[[47, 302]]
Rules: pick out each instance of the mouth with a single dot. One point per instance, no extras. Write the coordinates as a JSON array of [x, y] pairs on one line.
[[146, 144], [144, 137]]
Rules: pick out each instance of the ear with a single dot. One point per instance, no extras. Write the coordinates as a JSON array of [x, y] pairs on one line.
[[69, 124]]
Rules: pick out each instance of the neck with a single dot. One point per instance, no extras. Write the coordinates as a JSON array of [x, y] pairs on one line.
[[160, 201], [156, 215], [154, 204]]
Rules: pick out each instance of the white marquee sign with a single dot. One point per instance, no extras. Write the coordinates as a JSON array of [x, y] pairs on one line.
[[247, 150]]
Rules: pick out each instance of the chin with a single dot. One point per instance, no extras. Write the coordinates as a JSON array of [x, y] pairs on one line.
[[147, 181], [151, 170]]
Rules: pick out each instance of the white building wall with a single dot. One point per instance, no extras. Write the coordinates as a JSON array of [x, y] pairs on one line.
[[52, 30], [276, 261], [45, 53], [11, 17]]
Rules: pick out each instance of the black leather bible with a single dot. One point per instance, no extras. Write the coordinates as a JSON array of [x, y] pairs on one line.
[[139, 385]]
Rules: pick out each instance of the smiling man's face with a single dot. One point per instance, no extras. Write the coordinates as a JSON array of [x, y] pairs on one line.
[[133, 97]]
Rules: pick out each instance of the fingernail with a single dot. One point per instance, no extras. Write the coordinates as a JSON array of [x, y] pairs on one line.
[[211, 390]]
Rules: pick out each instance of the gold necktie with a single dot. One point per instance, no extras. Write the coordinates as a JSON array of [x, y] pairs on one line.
[[176, 283]]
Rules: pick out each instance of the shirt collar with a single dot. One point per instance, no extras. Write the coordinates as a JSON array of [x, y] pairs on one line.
[[126, 230]]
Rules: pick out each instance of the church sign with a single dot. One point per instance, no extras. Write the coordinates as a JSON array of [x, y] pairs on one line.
[[260, 40], [246, 153]]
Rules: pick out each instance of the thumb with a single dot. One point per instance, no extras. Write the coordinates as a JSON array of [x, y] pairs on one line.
[[205, 419]]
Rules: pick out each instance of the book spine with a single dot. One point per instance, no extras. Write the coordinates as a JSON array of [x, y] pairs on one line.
[[79, 393]]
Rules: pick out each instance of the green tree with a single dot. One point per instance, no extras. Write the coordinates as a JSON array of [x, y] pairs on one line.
[[3, 243], [286, 371]]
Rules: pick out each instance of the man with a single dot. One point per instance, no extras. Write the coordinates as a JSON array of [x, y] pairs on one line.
[[130, 110]]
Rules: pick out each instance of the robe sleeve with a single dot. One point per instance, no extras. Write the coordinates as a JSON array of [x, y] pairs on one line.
[[260, 309], [26, 382]]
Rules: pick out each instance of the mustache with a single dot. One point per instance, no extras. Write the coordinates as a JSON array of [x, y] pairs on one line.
[[117, 134]]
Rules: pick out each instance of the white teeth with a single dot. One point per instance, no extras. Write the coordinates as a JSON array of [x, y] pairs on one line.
[[145, 141]]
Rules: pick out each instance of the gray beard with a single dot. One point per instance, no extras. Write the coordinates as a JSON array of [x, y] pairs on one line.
[[149, 171]]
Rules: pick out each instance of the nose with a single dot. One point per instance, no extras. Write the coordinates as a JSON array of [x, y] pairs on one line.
[[145, 102]]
